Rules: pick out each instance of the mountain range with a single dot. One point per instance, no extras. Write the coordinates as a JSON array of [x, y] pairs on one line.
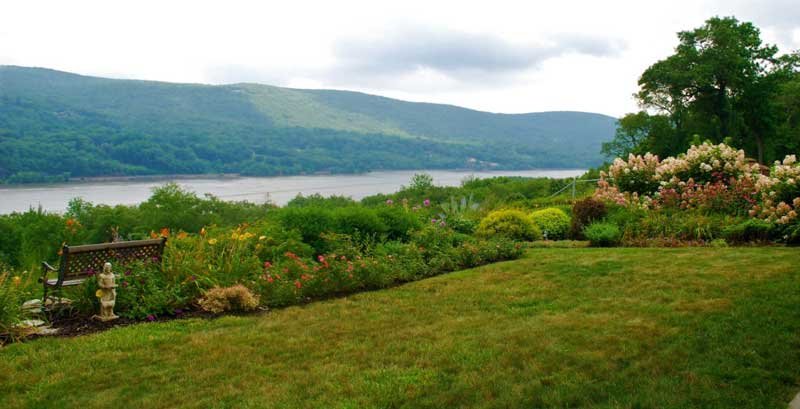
[[56, 125]]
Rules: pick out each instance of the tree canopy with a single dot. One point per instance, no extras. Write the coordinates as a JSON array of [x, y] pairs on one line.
[[721, 82]]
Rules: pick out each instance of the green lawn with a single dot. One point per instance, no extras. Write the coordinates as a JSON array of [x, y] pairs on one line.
[[627, 328]]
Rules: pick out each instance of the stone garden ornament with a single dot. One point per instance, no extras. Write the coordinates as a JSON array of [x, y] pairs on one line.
[[107, 294]]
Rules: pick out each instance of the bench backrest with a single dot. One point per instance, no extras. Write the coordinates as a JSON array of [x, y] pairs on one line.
[[82, 261]]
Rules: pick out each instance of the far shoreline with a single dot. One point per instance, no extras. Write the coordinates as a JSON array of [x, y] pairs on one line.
[[234, 176]]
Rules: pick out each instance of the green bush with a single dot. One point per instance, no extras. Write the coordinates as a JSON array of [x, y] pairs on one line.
[[553, 222], [357, 220], [310, 222], [584, 212], [753, 230], [399, 222], [602, 234], [512, 224]]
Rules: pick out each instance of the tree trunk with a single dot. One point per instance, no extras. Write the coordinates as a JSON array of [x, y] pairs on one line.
[[760, 149]]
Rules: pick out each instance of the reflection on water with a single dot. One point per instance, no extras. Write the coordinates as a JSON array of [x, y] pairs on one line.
[[279, 190]]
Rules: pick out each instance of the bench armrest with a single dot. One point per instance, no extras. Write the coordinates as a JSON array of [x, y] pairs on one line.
[[46, 268]]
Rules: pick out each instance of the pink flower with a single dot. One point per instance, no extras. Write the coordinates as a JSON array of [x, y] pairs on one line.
[[426, 202], [389, 202]]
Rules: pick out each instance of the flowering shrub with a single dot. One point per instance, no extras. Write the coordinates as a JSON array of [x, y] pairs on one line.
[[707, 176], [294, 279], [707, 180], [780, 193], [636, 175], [512, 224], [707, 163], [553, 223], [234, 298], [710, 178]]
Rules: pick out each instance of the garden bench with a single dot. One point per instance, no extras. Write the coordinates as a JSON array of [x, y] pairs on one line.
[[81, 262]]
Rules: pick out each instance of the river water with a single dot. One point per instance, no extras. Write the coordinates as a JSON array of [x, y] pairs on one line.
[[279, 190]]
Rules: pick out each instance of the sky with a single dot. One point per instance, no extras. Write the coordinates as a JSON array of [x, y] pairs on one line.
[[497, 56]]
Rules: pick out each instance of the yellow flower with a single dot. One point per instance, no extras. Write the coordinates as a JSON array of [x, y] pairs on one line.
[[234, 236], [17, 280], [212, 242], [98, 293], [262, 238]]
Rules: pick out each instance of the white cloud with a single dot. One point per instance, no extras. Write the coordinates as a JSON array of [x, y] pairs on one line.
[[501, 56]]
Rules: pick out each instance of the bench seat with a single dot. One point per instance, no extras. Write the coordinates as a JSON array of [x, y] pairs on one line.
[[54, 282], [79, 263]]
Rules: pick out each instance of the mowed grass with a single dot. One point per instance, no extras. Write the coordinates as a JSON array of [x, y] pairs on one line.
[[621, 328]]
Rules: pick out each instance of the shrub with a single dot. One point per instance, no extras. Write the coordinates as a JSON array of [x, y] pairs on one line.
[[235, 298], [512, 224], [752, 230], [462, 225], [399, 222], [358, 220], [553, 222], [584, 212], [311, 222], [718, 243], [602, 234]]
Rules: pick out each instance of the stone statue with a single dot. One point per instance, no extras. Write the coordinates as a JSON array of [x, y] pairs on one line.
[[107, 293]]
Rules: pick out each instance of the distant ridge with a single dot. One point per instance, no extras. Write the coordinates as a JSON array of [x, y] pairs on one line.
[[55, 125]]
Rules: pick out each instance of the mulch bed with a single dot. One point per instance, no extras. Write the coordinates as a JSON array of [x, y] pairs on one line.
[[76, 325]]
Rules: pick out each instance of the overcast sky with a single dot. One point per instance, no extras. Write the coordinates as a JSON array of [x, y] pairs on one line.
[[520, 56]]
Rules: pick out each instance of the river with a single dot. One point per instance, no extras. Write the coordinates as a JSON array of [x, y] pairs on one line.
[[279, 190]]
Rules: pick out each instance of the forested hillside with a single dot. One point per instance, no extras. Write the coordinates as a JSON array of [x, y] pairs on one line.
[[56, 125]]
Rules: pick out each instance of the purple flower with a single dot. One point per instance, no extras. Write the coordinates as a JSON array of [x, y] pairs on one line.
[[151, 317], [433, 221], [442, 223], [127, 272], [389, 202], [124, 284], [426, 202], [90, 271]]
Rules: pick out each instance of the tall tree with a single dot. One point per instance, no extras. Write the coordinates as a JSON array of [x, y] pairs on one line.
[[716, 84], [641, 132]]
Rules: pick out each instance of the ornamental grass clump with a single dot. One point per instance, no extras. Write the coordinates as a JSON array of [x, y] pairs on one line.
[[236, 298]]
